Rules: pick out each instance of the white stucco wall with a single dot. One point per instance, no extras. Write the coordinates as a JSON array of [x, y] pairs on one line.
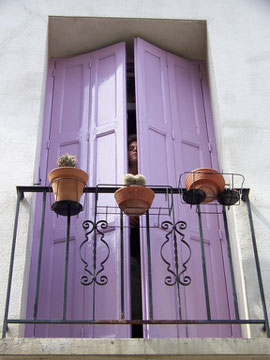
[[238, 48]]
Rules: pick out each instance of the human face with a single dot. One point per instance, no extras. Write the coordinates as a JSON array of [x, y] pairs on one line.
[[132, 152]]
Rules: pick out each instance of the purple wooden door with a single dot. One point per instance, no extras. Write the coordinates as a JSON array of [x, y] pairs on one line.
[[174, 132], [85, 116], [108, 141], [155, 161]]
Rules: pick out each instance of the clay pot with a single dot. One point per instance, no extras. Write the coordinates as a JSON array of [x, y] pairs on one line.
[[208, 180], [134, 199], [67, 183]]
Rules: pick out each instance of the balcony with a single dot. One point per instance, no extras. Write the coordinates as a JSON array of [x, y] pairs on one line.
[[177, 276]]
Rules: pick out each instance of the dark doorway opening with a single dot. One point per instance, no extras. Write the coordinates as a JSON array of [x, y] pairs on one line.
[[134, 238]]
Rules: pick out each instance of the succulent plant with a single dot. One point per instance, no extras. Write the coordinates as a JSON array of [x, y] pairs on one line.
[[130, 179], [67, 160], [139, 179]]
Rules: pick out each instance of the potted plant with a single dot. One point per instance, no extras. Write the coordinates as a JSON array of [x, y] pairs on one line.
[[228, 197], [134, 198], [210, 181], [67, 181]]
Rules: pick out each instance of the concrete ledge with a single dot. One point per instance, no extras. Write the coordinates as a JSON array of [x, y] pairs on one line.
[[93, 349]]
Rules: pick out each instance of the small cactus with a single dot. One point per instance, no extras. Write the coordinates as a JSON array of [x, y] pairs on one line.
[[139, 179], [130, 179], [67, 160]]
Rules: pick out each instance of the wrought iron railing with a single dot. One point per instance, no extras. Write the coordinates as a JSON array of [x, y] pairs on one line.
[[176, 276]]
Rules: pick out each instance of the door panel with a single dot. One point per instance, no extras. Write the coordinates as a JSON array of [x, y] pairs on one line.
[[191, 141], [86, 114], [108, 141], [180, 144], [88, 119], [68, 118], [155, 162]]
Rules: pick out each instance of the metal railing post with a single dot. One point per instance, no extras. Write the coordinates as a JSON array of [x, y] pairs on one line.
[[66, 268], [149, 267], [39, 255], [122, 266], [236, 309], [205, 280], [257, 261], [11, 264]]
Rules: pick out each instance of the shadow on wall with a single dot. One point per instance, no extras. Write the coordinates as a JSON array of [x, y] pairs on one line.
[[260, 216]]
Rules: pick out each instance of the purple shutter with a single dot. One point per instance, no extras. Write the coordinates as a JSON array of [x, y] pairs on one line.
[[108, 142], [87, 119], [68, 121], [173, 138], [155, 162], [191, 151], [229, 306]]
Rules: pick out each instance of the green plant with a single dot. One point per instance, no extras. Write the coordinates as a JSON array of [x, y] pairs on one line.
[[139, 179], [67, 161], [130, 179]]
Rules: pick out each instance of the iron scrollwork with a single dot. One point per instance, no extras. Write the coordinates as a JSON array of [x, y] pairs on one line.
[[175, 276], [98, 235]]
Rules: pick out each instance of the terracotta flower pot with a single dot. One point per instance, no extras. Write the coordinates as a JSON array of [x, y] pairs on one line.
[[134, 199], [208, 180], [67, 183]]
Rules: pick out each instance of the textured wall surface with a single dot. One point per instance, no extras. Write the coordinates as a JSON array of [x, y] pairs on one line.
[[238, 52]]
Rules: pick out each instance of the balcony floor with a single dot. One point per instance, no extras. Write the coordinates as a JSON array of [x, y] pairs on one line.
[[96, 349]]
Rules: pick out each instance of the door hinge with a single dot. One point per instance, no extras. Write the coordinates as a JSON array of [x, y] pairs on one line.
[[88, 136], [39, 178], [209, 147], [48, 144], [82, 331], [220, 234], [173, 136], [200, 71], [89, 64], [53, 72]]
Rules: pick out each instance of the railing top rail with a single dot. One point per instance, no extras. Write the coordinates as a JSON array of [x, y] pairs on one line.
[[158, 189]]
